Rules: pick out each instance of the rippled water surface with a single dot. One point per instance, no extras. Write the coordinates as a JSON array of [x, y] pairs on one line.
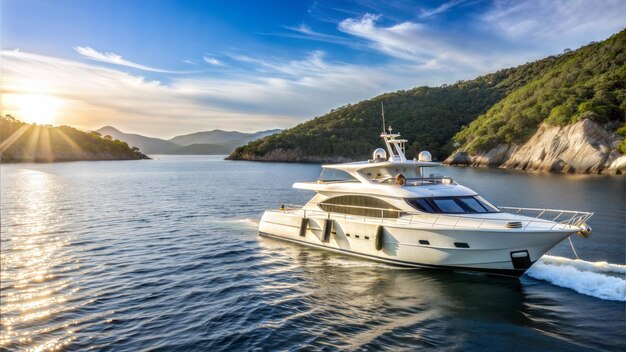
[[164, 254]]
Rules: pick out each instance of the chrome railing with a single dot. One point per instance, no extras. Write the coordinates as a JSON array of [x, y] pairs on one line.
[[539, 218], [567, 217]]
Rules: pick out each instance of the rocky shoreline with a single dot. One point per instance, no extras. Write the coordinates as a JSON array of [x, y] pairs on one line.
[[583, 147]]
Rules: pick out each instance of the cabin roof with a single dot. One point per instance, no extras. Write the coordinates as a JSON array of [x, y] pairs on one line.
[[435, 190], [360, 165]]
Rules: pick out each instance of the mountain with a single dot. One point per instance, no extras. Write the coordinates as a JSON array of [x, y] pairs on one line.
[[214, 142], [508, 107], [147, 145], [200, 149], [227, 138], [23, 142], [213, 137]]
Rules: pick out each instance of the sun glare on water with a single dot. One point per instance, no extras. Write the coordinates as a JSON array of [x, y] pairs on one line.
[[33, 108]]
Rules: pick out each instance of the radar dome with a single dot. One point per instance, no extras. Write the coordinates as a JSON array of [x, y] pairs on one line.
[[379, 153], [425, 156]]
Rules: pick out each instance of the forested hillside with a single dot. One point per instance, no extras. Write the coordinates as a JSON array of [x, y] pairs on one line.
[[428, 117], [23, 142], [508, 105], [588, 83]]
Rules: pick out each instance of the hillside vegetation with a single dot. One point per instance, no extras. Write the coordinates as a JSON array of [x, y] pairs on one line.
[[23, 142], [588, 83], [505, 106]]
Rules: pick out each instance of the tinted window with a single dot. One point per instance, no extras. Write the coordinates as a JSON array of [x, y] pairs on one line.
[[421, 204], [360, 205], [334, 175], [448, 206], [452, 205], [472, 204], [490, 207]]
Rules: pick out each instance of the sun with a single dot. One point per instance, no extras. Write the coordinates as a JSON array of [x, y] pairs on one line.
[[33, 108]]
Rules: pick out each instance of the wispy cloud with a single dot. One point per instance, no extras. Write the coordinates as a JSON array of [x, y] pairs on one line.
[[562, 20], [305, 32], [440, 9], [213, 61], [115, 59], [415, 42]]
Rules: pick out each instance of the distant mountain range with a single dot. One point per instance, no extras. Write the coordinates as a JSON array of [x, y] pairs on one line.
[[207, 142]]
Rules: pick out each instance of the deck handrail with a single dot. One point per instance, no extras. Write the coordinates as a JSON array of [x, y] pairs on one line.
[[569, 217]]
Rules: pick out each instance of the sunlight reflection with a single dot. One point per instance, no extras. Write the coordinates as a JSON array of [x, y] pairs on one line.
[[32, 251]]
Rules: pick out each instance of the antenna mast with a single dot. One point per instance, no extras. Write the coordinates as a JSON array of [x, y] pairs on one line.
[[382, 109]]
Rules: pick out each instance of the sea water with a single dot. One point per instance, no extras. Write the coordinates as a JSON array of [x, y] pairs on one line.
[[164, 254]]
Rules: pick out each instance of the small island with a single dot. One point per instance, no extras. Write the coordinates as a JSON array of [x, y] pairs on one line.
[[24, 142]]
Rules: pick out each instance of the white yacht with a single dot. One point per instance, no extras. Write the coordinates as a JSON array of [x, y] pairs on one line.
[[386, 209]]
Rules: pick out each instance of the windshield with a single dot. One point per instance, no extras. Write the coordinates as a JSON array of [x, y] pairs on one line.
[[453, 205]]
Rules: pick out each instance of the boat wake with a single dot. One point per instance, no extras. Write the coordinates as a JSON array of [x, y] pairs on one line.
[[236, 223], [248, 222], [598, 279]]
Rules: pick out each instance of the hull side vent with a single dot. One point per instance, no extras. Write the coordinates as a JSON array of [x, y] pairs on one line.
[[514, 225]]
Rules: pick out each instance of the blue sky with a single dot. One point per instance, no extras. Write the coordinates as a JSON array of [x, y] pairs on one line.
[[163, 68]]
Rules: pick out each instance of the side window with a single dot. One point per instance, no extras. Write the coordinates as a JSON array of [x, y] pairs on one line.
[[448, 206], [360, 206], [453, 205], [334, 175], [421, 204]]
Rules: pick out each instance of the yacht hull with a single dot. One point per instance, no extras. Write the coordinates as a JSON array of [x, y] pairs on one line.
[[508, 252]]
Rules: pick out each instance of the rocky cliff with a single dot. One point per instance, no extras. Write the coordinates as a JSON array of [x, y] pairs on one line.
[[582, 147]]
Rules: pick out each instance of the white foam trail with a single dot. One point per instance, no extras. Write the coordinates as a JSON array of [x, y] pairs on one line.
[[249, 222], [599, 267], [581, 276]]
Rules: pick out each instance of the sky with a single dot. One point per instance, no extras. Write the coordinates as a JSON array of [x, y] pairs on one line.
[[164, 68]]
